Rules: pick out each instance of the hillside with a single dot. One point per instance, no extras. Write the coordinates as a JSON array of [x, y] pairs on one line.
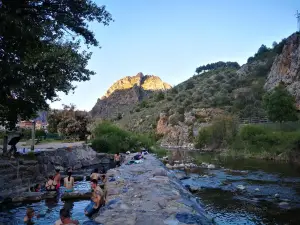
[[219, 88], [125, 93]]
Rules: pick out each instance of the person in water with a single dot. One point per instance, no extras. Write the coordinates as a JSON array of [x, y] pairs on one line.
[[117, 159], [28, 219], [50, 184], [57, 179], [65, 218], [69, 182], [95, 175], [96, 201]]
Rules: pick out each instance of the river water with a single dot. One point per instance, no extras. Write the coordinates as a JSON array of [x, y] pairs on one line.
[[234, 192], [246, 191]]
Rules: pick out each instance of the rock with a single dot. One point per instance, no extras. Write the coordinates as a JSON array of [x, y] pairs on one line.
[[276, 195], [169, 166], [241, 187], [211, 166], [284, 205], [160, 172], [125, 93], [76, 195], [285, 68]]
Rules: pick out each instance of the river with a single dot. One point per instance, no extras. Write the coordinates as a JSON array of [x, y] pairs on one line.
[[236, 191], [244, 191]]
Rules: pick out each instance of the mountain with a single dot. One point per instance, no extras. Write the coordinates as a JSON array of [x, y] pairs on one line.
[[125, 93], [218, 88]]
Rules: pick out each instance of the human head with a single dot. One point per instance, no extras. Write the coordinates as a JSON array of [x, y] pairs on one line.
[[30, 212], [103, 176], [96, 170], [51, 177], [94, 183], [57, 170], [118, 153], [37, 186], [69, 173], [64, 214]]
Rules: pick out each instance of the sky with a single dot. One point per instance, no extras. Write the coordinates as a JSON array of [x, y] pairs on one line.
[[170, 38]]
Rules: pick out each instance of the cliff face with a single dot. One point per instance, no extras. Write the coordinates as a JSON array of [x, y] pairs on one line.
[[124, 93], [286, 68]]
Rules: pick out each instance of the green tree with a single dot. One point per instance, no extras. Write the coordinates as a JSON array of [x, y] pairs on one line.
[[69, 122], [280, 105], [40, 52]]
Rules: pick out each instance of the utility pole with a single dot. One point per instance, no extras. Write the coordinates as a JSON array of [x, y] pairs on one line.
[[33, 135], [298, 20]]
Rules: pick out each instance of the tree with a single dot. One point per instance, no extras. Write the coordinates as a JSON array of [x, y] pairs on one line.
[[69, 122], [40, 52], [280, 105]]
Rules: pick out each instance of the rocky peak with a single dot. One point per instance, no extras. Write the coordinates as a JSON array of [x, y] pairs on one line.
[[125, 93], [147, 82], [286, 67]]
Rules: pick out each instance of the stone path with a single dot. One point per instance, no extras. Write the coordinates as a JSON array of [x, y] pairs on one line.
[[148, 194]]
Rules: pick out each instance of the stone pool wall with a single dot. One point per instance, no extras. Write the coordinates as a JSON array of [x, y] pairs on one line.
[[148, 194]]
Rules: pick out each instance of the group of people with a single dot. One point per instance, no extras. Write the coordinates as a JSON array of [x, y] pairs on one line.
[[64, 214], [98, 198]]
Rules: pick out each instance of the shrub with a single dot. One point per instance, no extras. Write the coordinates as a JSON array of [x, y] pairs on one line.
[[175, 118], [203, 137], [109, 138], [221, 133], [169, 98], [159, 96]]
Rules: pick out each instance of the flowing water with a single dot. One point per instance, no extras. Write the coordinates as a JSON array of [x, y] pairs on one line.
[[244, 191]]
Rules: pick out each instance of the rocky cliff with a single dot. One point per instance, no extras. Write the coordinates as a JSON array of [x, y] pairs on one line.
[[124, 93], [286, 67]]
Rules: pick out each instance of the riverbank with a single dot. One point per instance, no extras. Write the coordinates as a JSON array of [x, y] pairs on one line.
[[148, 193]]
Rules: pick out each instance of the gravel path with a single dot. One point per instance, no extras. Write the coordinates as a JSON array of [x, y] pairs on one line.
[[148, 194]]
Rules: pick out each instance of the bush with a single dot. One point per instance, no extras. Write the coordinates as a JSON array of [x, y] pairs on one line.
[[221, 133], [203, 137], [175, 118], [258, 139], [159, 96], [109, 138]]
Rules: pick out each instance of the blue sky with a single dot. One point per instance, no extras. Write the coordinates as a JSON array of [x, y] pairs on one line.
[[170, 38]]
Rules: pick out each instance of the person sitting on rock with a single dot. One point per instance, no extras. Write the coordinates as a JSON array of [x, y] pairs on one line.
[[95, 175], [69, 182], [65, 218], [97, 199], [37, 188], [117, 159], [50, 184], [28, 219], [57, 179], [138, 156]]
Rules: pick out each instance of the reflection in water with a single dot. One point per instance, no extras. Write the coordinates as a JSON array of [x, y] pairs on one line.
[[245, 191]]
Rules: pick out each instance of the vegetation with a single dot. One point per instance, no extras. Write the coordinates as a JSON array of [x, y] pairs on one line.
[[220, 133], [217, 65], [109, 138], [70, 123], [40, 52], [264, 142], [280, 105]]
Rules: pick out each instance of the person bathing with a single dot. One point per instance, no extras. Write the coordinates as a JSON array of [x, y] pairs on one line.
[[50, 184], [97, 199], [69, 182], [57, 179]]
